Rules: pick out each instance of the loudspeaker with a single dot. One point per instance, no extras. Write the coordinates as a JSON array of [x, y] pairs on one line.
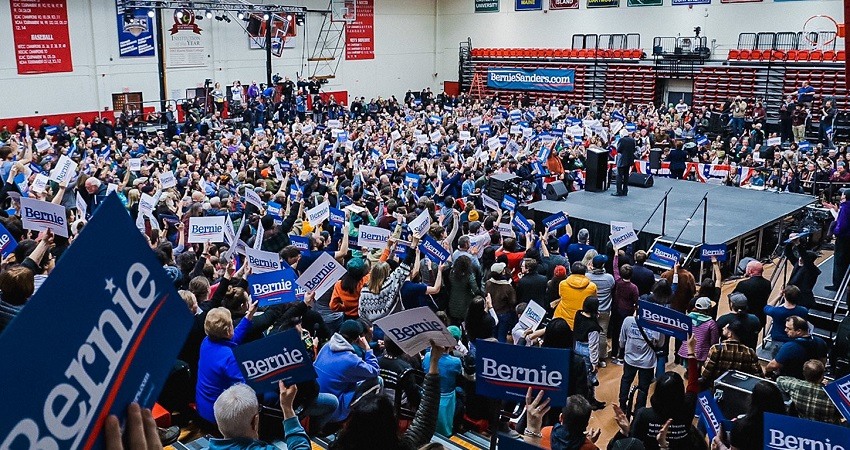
[[640, 180], [500, 184], [556, 190], [597, 170], [655, 158], [253, 27]]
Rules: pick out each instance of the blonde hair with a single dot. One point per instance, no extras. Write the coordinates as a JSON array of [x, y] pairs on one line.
[[133, 196], [588, 258], [379, 273], [190, 300], [218, 324]]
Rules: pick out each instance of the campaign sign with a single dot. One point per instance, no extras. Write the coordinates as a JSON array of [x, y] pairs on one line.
[[555, 221], [420, 225], [121, 329], [319, 213], [716, 250], [433, 250], [506, 371], [509, 203], [146, 204], [272, 288], [279, 357], [664, 320], [521, 222], [411, 179], [261, 261], [203, 229], [786, 433], [622, 234], [167, 180], [336, 217], [664, 256], [8, 244], [489, 202], [516, 78], [839, 392], [39, 183], [709, 413], [253, 198], [372, 237], [135, 164], [64, 170], [533, 315], [414, 329], [38, 215], [273, 209], [390, 164], [321, 275], [302, 242], [774, 141]]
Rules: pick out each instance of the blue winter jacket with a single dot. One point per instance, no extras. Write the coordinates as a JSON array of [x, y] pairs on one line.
[[218, 369], [339, 369]]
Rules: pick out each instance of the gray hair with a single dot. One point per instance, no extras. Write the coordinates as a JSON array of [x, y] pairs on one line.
[[234, 410]]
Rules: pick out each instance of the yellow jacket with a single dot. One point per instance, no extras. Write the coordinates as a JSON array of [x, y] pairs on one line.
[[574, 290]]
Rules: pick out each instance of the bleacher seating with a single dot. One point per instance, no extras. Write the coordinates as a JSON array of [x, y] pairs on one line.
[[557, 53]]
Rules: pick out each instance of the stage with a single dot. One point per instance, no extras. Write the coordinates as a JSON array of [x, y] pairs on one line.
[[736, 216]]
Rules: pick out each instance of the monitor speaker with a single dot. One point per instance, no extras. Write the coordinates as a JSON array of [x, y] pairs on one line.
[[556, 190], [640, 180]]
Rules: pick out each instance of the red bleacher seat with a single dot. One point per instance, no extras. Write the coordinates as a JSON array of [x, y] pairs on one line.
[[734, 54], [744, 54], [816, 56], [755, 55], [778, 55], [829, 56], [559, 53], [582, 53], [618, 54], [840, 55], [802, 55]]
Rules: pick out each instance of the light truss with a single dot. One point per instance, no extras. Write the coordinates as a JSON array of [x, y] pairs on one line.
[[211, 5]]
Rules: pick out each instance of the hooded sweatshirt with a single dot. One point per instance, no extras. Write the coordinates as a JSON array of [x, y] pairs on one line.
[[573, 291], [339, 369], [706, 333]]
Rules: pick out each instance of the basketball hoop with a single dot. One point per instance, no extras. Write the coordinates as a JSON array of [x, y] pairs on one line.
[[821, 23], [343, 11]]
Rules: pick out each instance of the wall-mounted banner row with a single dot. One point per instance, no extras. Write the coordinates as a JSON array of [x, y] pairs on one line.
[[553, 80]]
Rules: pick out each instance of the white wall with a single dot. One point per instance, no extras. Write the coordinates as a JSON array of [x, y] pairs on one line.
[[554, 29], [404, 57]]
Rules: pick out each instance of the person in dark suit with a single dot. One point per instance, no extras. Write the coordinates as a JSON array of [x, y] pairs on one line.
[[756, 288], [678, 160], [625, 160]]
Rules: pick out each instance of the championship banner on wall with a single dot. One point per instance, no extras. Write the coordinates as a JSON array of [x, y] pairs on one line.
[[360, 34], [645, 2], [563, 4], [187, 46], [485, 6], [42, 42], [603, 3], [135, 31], [528, 5], [551, 80]]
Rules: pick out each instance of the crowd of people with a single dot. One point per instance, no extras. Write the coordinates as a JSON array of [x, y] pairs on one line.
[[384, 163]]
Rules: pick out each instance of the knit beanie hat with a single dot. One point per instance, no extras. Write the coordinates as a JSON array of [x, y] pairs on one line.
[[350, 329], [560, 271], [473, 215], [455, 332]]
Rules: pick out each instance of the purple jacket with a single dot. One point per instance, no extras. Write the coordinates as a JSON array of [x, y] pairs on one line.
[[707, 334]]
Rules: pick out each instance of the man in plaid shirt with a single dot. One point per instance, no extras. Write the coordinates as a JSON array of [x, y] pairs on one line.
[[808, 395], [730, 354]]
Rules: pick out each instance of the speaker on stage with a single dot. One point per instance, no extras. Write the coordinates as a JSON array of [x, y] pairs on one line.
[[655, 158], [640, 180], [597, 170], [556, 190]]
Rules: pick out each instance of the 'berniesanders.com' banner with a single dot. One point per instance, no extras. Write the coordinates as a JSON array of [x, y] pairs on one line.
[[553, 80]]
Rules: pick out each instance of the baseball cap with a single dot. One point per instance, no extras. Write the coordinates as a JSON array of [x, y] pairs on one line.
[[703, 303], [738, 300], [498, 267], [599, 261]]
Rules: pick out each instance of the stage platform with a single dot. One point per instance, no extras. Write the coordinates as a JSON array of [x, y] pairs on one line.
[[733, 213]]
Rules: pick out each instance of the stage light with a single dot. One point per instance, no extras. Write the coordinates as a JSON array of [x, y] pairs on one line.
[[265, 17], [289, 17], [209, 14], [241, 16], [151, 13], [179, 14]]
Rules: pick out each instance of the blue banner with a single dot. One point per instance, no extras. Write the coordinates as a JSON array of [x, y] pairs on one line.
[[528, 5], [433, 250], [484, 129], [113, 335], [135, 31], [508, 202], [272, 288], [337, 217], [555, 221], [506, 371], [8, 244], [839, 392], [709, 413], [412, 180], [390, 164], [716, 250], [617, 115], [664, 256], [786, 432], [553, 80], [281, 356], [521, 223], [664, 320]]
